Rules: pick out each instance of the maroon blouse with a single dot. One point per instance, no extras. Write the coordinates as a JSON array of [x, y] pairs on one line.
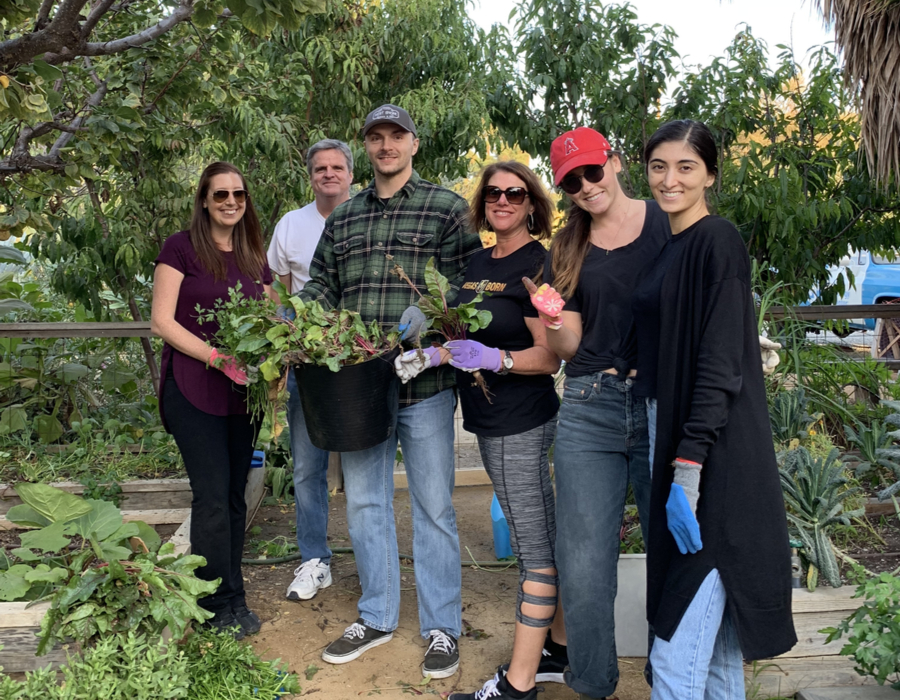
[[207, 389]]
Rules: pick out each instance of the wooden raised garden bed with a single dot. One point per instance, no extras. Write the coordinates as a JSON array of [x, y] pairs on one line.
[[812, 663], [158, 501]]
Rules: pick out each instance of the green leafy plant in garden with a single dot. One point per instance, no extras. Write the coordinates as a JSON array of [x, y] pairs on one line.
[[873, 630], [251, 331], [134, 666], [114, 579], [815, 490], [789, 417], [451, 322], [876, 453]]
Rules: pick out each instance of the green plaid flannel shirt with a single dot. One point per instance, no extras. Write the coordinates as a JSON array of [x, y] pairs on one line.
[[350, 270]]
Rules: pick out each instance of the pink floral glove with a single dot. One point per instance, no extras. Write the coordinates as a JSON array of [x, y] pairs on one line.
[[470, 355], [548, 302], [230, 367]]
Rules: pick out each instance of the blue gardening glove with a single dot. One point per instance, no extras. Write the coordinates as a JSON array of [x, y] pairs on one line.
[[286, 312], [682, 522], [681, 508], [412, 323]]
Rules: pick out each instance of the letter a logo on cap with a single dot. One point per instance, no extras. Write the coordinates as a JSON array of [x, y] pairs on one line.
[[570, 146]]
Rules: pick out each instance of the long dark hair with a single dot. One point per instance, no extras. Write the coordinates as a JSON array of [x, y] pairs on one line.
[[695, 134], [246, 239], [543, 207]]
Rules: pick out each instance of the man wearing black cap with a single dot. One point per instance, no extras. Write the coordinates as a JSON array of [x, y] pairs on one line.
[[399, 218]]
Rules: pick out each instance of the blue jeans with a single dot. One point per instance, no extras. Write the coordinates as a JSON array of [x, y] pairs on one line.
[[425, 431], [601, 446], [651, 429], [310, 483], [703, 659]]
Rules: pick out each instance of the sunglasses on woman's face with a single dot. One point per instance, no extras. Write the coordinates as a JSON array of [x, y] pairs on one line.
[[514, 195], [240, 196], [571, 183]]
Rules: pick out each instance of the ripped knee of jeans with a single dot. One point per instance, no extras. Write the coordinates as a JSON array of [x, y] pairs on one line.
[[545, 601]]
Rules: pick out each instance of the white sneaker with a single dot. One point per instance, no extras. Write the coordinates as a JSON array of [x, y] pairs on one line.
[[309, 577]]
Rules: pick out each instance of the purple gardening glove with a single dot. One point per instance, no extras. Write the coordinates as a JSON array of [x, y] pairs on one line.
[[412, 362], [470, 355], [230, 367]]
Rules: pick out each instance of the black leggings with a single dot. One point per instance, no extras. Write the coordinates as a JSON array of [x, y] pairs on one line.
[[217, 451]]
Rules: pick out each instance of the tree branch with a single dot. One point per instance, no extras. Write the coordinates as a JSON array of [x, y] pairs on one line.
[[20, 159], [107, 48], [43, 15], [62, 30], [92, 102], [100, 9]]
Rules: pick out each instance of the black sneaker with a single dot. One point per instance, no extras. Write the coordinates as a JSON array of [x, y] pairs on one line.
[[442, 657], [247, 619], [357, 638], [225, 622], [552, 667], [496, 688]]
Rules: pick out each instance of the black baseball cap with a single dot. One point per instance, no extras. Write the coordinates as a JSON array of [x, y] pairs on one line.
[[389, 114]]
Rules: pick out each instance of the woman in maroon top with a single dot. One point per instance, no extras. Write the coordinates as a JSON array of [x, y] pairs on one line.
[[203, 403]]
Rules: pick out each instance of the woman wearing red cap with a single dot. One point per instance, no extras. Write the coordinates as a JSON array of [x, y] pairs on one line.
[[602, 443]]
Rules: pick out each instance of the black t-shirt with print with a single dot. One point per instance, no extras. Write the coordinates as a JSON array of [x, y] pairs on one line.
[[518, 402]]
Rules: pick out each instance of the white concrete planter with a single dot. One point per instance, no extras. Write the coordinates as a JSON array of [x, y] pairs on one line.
[[631, 605]]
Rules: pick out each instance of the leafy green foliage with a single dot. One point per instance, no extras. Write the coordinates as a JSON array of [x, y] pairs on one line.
[[102, 576], [789, 418], [814, 492], [873, 629], [132, 666], [251, 331], [451, 322]]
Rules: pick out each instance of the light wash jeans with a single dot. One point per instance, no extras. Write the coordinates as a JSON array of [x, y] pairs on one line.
[[703, 659], [601, 447], [310, 483], [425, 431]]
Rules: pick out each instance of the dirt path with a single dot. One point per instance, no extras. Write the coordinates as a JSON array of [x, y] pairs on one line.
[[297, 632]]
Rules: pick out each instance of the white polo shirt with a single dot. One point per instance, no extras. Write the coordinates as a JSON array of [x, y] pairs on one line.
[[294, 243]]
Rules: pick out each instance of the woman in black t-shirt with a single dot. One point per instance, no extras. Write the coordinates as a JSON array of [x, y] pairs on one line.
[[602, 443], [515, 422]]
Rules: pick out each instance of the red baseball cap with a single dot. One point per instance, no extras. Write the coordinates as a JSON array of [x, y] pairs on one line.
[[583, 146]]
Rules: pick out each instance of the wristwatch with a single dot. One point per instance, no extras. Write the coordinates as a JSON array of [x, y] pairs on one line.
[[507, 363]]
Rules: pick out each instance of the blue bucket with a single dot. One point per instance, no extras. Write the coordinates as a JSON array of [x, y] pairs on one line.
[[502, 546]]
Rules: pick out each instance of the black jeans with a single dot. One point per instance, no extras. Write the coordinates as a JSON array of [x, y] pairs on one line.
[[217, 451]]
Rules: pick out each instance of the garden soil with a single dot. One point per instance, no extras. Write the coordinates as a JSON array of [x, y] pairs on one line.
[[296, 632]]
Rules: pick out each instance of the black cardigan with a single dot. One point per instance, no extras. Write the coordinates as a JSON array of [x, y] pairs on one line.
[[712, 409]]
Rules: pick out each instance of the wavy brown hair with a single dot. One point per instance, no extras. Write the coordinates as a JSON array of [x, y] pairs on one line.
[[246, 239], [543, 206], [570, 247]]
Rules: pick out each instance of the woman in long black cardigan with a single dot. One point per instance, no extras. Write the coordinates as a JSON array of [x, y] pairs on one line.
[[718, 562]]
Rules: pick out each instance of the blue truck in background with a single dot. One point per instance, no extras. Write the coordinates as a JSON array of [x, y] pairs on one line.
[[876, 280]]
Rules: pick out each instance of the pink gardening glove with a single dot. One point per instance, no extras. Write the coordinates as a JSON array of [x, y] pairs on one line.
[[470, 355], [548, 302], [232, 369]]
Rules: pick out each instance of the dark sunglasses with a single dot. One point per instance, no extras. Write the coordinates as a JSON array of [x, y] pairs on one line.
[[571, 183], [514, 195], [240, 196]]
